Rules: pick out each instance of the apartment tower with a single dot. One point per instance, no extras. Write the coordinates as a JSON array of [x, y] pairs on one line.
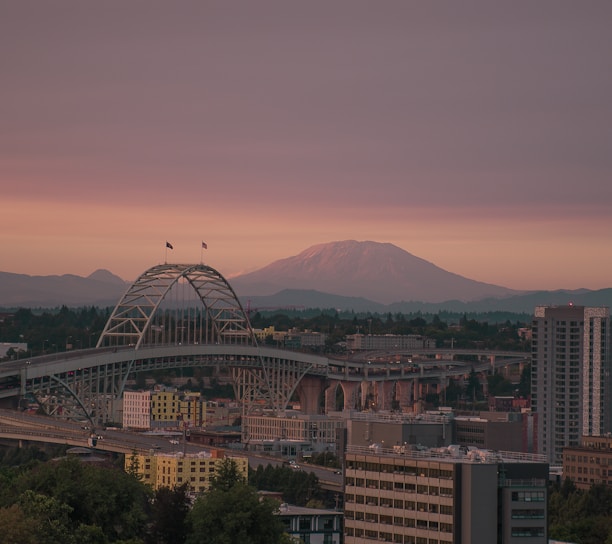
[[570, 376]]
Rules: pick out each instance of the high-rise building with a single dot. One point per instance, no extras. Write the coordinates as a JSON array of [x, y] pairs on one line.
[[570, 376]]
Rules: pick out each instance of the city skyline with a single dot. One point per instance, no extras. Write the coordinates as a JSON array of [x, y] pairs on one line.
[[474, 136]]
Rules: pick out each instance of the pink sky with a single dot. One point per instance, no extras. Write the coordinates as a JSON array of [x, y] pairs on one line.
[[475, 135]]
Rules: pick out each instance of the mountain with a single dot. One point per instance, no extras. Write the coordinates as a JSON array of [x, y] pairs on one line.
[[101, 288], [380, 272], [349, 275]]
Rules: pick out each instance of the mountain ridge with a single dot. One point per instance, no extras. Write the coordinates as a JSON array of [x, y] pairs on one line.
[[348, 275]]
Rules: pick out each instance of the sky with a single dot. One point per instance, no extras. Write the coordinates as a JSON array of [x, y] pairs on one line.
[[476, 135]]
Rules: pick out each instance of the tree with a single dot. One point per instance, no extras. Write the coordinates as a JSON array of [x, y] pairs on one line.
[[227, 475], [49, 518], [524, 387], [473, 389], [16, 527], [498, 385], [104, 497], [169, 510], [234, 515]]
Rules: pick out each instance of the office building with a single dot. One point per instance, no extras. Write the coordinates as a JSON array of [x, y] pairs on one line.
[[292, 434], [506, 431], [390, 342], [590, 463], [431, 429], [570, 376], [444, 496]]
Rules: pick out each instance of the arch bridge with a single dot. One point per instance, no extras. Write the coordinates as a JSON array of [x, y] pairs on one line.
[[172, 316]]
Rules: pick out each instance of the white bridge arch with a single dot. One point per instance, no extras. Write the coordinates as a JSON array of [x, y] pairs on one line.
[[203, 309]]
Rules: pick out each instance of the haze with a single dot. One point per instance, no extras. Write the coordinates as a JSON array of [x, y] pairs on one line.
[[475, 135]]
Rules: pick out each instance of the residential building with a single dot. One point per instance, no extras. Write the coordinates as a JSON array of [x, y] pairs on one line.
[[137, 410], [570, 376], [175, 469], [165, 408], [444, 496], [162, 408], [312, 525], [589, 463]]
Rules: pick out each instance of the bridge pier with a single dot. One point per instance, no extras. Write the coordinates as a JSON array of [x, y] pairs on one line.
[[350, 394], [405, 395], [309, 391], [385, 395]]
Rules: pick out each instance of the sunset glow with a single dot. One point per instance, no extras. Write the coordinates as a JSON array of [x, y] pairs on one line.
[[477, 138]]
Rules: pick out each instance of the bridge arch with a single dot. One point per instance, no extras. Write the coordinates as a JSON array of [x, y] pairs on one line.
[[178, 304]]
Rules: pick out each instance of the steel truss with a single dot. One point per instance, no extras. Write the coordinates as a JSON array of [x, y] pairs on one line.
[[178, 303]]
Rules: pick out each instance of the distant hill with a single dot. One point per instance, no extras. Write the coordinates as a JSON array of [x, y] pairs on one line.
[[518, 304], [380, 272], [355, 276], [101, 288]]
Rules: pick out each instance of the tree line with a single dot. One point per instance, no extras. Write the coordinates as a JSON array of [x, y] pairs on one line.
[[48, 331]]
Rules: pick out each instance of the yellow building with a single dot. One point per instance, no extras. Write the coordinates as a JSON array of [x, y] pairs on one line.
[[192, 410], [164, 408], [175, 469]]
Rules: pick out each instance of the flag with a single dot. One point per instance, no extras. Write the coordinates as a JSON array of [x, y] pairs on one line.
[[204, 245], [168, 244]]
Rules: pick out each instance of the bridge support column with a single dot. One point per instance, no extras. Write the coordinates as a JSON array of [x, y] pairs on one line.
[[444, 381], [385, 395], [405, 395], [350, 394], [330, 396], [365, 390], [309, 391]]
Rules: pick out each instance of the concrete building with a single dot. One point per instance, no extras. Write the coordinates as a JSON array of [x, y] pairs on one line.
[[291, 434], [390, 342], [312, 525], [589, 463], [506, 431], [175, 469], [570, 376], [394, 429], [443, 496], [221, 413]]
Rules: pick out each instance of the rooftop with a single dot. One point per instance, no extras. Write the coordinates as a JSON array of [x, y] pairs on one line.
[[453, 454]]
